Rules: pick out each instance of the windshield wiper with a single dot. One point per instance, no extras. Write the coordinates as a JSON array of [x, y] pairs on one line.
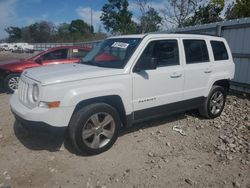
[[88, 63]]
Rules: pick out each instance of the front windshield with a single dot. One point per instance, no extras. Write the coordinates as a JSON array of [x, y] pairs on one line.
[[112, 53]]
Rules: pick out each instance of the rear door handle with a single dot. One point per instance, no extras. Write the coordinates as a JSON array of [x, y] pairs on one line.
[[208, 71], [176, 75]]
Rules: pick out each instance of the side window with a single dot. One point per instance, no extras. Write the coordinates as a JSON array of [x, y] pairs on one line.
[[79, 53], [195, 51], [219, 50], [57, 54], [165, 51]]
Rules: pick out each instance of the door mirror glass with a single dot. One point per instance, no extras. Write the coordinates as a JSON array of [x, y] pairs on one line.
[[146, 63], [39, 60]]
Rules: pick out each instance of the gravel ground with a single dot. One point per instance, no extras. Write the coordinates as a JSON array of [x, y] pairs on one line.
[[214, 153], [210, 153]]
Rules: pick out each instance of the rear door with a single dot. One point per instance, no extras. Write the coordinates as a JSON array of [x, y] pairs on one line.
[[198, 67], [77, 54], [153, 90]]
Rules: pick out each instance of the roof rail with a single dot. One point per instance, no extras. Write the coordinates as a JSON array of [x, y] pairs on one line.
[[195, 33]]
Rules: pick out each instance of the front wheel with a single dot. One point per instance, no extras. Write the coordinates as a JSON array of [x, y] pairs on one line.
[[94, 128], [214, 103], [11, 82]]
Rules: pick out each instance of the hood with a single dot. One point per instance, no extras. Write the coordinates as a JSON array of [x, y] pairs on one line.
[[15, 64], [52, 74]]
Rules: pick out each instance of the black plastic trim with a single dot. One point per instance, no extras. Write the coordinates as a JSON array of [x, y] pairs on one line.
[[37, 126], [168, 109]]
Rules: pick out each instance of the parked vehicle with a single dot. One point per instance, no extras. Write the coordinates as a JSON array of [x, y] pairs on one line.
[[6, 47], [126, 80], [23, 48], [11, 71], [3, 46]]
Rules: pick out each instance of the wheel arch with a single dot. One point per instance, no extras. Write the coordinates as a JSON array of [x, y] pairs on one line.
[[223, 83], [220, 82], [112, 100]]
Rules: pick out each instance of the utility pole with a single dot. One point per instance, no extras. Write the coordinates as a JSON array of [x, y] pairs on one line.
[[91, 17]]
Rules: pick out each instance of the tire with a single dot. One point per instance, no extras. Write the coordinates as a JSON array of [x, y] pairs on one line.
[[86, 127], [11, 82], [214, 103]]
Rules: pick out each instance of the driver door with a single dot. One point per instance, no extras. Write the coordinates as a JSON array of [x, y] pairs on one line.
[[155, 90], [59, 56]]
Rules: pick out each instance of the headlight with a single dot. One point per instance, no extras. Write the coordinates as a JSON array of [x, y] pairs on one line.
[[35, 92]]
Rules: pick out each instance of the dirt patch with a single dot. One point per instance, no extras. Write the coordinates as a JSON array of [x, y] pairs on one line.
[[214, 153]]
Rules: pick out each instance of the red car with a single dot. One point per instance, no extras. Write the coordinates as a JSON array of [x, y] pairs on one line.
[[11, 71]]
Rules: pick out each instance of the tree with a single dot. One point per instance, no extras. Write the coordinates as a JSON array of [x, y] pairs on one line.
[[15, 34], [150, 22], [240, 9], [177, 11], [43, 32], [80, 27], [116, 17], [206, 14], [63, 33], [79, 30], [40, 31], [143, 6]]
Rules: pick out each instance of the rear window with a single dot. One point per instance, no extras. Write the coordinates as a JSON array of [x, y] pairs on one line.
[[79, 53], [195, 51], [219, 50]]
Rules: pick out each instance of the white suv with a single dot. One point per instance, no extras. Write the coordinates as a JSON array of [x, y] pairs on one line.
[[126, 79]]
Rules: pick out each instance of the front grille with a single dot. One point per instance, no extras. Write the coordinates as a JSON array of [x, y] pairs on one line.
[[23, 89]]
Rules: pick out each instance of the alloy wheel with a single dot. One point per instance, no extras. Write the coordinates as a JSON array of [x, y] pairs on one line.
[[98, 130], [13, 83], [216, 102]]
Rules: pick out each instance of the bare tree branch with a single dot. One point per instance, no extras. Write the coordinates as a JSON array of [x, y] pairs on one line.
[[177, 11]]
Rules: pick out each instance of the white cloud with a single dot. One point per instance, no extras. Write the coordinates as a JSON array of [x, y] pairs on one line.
[[7, 14], [85, 14]]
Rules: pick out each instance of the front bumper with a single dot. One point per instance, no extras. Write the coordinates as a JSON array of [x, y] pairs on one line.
[[2, 74], [39, 127], [55, 117]]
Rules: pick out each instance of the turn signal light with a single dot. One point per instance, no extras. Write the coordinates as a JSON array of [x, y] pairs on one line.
[[54, 104]]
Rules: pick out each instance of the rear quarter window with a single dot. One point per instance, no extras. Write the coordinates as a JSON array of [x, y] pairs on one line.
[[219, 50], [195, 51]]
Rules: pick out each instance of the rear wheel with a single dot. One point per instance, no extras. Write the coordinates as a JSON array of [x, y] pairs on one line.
[[94, 128], [11, 82], [214, 103]]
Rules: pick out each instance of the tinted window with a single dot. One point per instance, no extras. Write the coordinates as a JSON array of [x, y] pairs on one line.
[[79, 53], [195, 51], [57, 54], [219, 50], [165, 51]]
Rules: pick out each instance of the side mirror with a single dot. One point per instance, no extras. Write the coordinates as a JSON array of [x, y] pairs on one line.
[[39, 60], [146, 64]]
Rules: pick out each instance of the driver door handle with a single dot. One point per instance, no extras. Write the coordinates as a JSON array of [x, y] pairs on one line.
[[176, 75]]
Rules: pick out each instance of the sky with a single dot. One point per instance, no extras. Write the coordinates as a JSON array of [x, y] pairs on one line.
[[25, 12]]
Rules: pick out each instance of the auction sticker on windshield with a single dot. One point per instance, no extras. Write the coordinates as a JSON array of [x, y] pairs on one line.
[[120, 45]]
